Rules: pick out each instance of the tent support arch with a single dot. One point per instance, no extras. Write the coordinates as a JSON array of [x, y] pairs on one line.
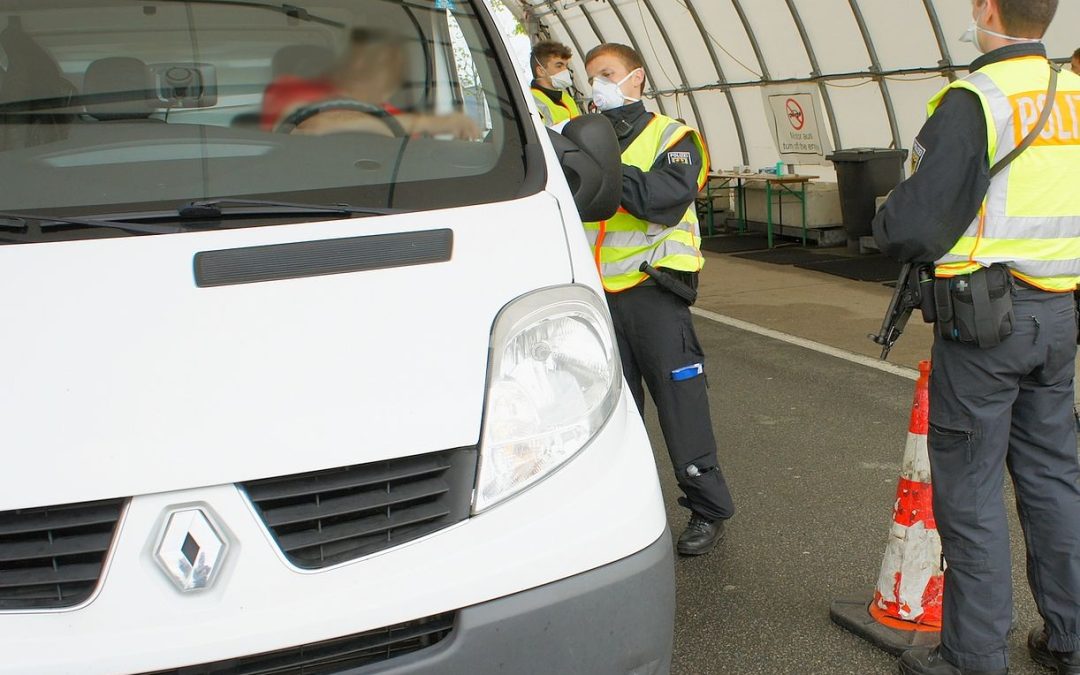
[[946, 62], [815, 73], [722, 79], [637, 48], [875, 66], [678, 67]]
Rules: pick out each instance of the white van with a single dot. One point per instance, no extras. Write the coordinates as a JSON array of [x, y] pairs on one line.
[[281, 398]]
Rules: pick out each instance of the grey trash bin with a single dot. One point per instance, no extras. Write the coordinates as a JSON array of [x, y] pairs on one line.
[[862, 175]]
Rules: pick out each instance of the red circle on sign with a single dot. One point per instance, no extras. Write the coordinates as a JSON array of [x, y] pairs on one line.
[[795, 114]]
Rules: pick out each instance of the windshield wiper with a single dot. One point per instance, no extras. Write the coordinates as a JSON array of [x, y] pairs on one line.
[[21, 221], [217, 208], [208, 209]]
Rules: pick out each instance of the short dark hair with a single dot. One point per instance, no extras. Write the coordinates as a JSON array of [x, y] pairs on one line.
[[629, 57], [1027, 18], [547, 49], [1076, 54]]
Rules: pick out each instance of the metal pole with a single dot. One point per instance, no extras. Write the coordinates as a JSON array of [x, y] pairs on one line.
[[816, 72], [875, 65], [753, 40], [678, 67], [946, 58], [634, 44], [565, 27], [857, 75], [592, 24], [722, 79]]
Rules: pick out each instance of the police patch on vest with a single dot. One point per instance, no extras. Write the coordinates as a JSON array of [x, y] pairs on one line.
[[679, 158], [917, 152]]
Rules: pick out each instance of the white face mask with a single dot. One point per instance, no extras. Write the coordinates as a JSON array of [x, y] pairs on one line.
[[561, 80], [607, 95], [972, 35]]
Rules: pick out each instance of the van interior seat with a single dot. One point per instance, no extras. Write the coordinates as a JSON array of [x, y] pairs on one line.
[[118, 88], [307, 61], [32, 75]]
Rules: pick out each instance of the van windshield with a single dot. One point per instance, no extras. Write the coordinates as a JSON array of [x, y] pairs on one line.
[[112, 107]]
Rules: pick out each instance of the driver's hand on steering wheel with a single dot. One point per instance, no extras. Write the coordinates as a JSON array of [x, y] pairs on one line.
[[331, 121], [458, 125]]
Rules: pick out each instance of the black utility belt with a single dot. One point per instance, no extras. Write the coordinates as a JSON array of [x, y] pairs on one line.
[[974, 308]]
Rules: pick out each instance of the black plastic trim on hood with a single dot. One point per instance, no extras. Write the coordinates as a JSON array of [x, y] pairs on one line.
[[297, 260]]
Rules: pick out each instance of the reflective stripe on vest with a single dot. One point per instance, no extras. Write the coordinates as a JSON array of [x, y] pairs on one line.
[[621, 243], [553, 113], [1030, 217]]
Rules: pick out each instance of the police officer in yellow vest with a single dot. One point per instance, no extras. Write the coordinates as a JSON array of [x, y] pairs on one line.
[[664, 166], [1003, 233], [552, 82]]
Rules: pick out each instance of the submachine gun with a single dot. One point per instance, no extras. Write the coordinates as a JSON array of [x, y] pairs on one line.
[[914, 288]]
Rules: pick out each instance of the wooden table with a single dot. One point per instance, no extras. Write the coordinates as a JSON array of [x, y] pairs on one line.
[[773, 184]]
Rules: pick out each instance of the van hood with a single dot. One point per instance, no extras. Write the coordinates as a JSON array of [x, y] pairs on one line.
[[121, 376]]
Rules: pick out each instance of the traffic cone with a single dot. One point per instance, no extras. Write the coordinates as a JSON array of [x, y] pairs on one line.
[[905, 611]]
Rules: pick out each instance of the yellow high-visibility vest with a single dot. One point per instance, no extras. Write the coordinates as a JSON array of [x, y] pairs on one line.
[[621, 243], [552, 112], [1030, 217]]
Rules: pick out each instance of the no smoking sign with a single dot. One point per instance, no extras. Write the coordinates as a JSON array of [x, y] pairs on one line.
[[795, 114]]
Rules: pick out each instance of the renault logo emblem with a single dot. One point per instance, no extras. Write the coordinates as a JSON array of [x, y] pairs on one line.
[[192, 549]]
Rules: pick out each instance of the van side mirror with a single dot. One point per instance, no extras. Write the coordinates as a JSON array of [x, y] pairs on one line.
[[589, 154]]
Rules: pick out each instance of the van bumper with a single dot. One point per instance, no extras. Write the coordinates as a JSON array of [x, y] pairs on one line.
[[616, 619]]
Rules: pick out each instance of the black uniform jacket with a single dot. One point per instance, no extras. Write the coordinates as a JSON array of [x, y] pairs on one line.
[[927, 213], [662, 194]]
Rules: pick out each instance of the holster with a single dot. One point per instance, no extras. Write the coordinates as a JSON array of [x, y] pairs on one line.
[[975, 308]]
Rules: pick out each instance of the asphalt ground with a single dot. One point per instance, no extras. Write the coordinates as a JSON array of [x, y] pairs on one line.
[[811, 446]]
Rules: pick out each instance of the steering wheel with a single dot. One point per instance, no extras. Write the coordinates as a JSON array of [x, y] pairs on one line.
[[304, 112]]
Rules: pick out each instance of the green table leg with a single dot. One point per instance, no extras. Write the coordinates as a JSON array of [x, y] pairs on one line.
[[768, 211], [802, 198], [740, 196]]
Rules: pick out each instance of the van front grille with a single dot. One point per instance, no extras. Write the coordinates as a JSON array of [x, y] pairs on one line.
[[52, 556], [332, 656], [326, 517]]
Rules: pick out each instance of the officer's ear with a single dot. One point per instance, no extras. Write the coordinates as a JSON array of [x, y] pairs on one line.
[[638, 78]]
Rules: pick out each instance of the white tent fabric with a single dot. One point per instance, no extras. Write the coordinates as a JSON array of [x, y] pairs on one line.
[[874, 63]]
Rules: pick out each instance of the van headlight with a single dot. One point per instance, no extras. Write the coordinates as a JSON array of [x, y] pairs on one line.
[[554, 380]]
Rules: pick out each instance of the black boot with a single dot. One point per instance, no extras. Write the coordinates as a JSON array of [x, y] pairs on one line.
[[1065, 663], [700, 535], [931, 662]]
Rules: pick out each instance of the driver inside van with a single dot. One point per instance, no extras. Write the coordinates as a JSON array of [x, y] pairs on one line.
[[354, 95]]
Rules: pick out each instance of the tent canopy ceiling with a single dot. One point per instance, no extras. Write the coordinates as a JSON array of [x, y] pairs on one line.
[[872, 64]]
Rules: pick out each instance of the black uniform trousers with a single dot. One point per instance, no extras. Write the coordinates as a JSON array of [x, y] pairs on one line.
[[1007, 406], [656, 336]]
